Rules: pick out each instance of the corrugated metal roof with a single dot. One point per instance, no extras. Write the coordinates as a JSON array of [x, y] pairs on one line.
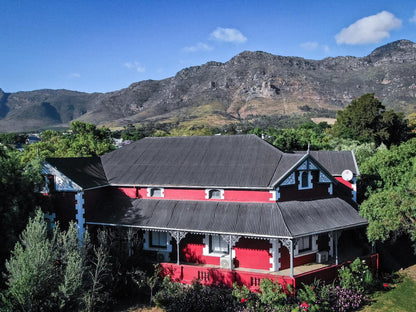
[[213, 161], [237, 161], [285, 219], [335, 161], [251, 219], [87, 172], [322, 215]]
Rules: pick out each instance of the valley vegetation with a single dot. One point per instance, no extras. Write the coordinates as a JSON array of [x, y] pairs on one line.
[[47, 270]]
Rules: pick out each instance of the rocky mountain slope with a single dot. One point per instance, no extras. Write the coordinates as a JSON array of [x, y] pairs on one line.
[[250, 84]]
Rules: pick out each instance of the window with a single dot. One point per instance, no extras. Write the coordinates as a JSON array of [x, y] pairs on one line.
[[155, 192], [214, 194], [305, 180], [158, 239], [217, 245], [305, 243]]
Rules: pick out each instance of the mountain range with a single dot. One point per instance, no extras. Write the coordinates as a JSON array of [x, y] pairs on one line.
[[250, 84]]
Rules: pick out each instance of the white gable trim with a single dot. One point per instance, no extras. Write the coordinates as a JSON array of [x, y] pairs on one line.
[[305, 163], [62, 182]]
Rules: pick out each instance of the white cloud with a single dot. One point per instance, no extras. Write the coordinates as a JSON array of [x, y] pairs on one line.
[[74, 75], [310, 45], [413, 19], [198, 47], [135, 66], [370, 29], [313, 45], [228, 35]]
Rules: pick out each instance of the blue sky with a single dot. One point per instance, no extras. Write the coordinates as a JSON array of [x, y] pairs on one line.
[[101, 46]]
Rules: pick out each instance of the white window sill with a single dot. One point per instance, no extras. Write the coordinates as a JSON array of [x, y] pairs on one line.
[[217, 254], [305, 253]]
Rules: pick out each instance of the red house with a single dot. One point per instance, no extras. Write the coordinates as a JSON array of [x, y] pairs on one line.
[[219, 208]]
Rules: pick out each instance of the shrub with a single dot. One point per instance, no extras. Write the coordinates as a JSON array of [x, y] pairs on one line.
[[346, 299], [196, 297], [356, 277], [315, 296]]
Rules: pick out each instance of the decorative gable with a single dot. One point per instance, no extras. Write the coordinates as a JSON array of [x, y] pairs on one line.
[[323, 178], [290, 180], [62, 182], [307, 165]]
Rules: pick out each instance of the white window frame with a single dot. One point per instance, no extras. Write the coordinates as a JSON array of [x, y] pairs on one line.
[[150, 191], [213, 242], [208, 194], [313, 245], [309, 186], [147, 244]]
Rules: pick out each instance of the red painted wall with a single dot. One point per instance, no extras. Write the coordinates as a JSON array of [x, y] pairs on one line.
[[253, 254], [199, 194], [215, 276], [285, 259], [192, 251], [346, 183], [249, 253], [130, 192]]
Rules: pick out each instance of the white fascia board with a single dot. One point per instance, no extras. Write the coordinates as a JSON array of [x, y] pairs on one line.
[[355, 163]]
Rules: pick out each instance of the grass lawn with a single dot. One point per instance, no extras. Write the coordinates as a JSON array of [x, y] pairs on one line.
[[401, 298]]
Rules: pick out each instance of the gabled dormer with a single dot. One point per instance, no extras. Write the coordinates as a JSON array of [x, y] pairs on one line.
[[306, 179]]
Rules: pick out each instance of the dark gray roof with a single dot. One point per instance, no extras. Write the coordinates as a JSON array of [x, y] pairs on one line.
[[335, 161], [87, 172], [240, 161], [237, 161], [285, 219], [321, 215]]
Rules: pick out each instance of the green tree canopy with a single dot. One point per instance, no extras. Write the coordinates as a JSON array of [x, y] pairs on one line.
[[18, 183], [298, 138], [366, 119], [82, 140], [390, 177]]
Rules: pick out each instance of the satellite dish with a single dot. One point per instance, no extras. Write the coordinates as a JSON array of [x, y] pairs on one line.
[[347, 175]]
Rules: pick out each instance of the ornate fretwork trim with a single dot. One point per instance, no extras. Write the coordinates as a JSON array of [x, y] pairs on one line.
[[307, 165], [290, 180], [178, 235], [289, 243], [231, 240], [323, 178]]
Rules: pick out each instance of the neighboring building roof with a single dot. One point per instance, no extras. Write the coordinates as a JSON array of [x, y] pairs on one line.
[[335, 161], [87, 172], [274, 220], [238, 161]]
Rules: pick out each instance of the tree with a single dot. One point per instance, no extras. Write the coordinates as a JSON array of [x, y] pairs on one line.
[[82, 140], [365, 119], [298, 138], [31, 268], [49, 270], [99, 274], [18, 199], [390, 177]]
